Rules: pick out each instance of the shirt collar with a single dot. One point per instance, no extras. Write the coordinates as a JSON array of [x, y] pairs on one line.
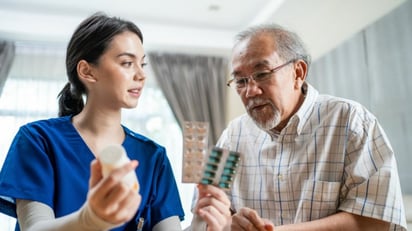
[[302, 115]]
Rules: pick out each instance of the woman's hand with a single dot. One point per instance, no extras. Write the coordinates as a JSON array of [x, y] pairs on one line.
[[213, 207], [248, 219], [110, 198]]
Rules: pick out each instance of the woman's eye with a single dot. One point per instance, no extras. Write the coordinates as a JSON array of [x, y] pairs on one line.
[[127, 64], [143, 65]]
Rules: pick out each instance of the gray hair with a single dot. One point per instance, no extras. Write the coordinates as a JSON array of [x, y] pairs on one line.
[[289, 44]]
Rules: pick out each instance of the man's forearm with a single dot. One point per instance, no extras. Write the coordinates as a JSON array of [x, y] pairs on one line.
[[341, 221]]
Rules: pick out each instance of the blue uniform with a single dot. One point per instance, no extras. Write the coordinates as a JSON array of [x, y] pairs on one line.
[[49, 162]]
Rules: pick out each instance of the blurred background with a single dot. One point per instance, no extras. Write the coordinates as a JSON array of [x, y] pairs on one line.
[[361, 50]]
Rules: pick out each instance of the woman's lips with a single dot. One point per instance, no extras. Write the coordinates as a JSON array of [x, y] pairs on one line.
[[134, 92]]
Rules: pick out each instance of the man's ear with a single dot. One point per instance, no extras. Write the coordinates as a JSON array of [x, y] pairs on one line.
[[85, 72], [301, 69]]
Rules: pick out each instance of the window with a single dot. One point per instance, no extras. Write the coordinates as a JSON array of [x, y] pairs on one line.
[[30, 93]]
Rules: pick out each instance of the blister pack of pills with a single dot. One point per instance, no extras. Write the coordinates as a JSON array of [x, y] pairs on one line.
[[195, 147], [201, 165]]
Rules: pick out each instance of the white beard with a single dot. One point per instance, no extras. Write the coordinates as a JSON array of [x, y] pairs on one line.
[[266, 124]]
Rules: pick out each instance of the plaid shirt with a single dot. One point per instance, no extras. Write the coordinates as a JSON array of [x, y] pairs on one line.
[[332, 156]]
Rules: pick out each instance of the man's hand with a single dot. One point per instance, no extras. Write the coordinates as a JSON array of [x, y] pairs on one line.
[[213, 207], [248, 219]]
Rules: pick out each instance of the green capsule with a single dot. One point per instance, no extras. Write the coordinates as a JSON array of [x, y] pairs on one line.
[[223, 185], [214, 160], [209, 174], [233, 157], [216, 153], [206, 181], [229, 171], [211, 167], [230, 164], [226, 178]]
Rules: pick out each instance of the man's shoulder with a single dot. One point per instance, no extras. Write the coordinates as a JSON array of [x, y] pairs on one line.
[[339, 102], [338, 106]]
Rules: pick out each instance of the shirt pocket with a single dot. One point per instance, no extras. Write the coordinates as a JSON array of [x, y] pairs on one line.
[[317, 199]]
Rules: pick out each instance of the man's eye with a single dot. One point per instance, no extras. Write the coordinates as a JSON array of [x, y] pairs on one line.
[[261, 76], [241, 81]]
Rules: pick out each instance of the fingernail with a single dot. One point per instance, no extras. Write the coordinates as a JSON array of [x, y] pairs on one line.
[[200, 212], [134, 163]]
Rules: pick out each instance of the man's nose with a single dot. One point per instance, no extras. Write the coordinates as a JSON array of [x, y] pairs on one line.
[[252, 88]]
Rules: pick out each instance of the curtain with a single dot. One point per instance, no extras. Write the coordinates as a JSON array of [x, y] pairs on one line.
[[195, 87], [7, 52], [374, 68]]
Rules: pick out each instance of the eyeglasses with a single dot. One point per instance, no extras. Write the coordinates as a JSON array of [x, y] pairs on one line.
[[240, 83]]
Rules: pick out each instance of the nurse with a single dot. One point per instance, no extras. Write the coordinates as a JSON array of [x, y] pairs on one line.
[[51, 178]]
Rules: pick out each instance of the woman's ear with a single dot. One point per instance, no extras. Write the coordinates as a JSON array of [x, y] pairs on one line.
[[301, 69], [85, 72]]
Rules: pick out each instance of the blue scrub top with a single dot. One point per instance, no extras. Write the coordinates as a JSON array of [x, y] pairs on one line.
[[49, 162]]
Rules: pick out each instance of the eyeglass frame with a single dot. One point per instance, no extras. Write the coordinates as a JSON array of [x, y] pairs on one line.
[[255, 74]]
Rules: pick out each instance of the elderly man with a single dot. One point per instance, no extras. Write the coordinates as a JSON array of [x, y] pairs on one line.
[[309, 161]]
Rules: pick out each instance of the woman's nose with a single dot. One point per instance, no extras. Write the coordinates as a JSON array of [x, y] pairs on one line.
[[139, 74]]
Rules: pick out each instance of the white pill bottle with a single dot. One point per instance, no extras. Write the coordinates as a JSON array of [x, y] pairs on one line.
[[114, 156]]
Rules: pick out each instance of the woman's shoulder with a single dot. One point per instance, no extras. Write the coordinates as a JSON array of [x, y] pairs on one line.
[[140, 139], [50, 123]]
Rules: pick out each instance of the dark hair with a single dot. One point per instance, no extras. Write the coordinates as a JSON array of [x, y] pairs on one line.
[[88, 42], [289, 45]]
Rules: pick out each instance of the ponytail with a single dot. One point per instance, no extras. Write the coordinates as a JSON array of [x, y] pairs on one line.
[[70, 103]]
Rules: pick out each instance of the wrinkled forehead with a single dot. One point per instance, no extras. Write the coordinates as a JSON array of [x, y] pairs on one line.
[[252, 52]]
